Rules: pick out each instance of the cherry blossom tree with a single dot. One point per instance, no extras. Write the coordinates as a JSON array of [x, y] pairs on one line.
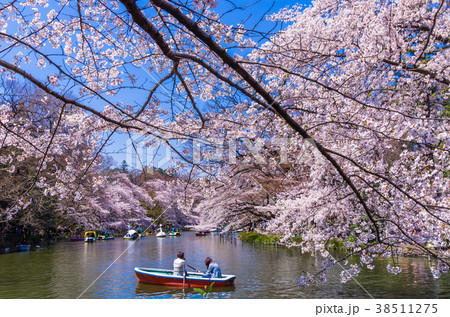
[[46, 154], [166, 193], [115, 206], [364, 82]]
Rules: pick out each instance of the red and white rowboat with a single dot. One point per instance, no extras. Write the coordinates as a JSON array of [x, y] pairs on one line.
[[166, 277]]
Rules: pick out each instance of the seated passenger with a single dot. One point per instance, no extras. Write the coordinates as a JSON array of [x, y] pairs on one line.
[[213, 269], [179, 264]]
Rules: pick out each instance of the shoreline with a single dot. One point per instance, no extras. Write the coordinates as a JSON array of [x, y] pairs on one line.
[[263, 239]]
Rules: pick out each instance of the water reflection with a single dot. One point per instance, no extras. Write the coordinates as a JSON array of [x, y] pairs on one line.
[[159, 243], [162, 291], [67, 269]]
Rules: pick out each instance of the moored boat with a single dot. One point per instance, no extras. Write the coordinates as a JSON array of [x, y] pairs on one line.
[[166, 277], [140, 232], [175, 232], [161, 233], [100, 235], [131, 235], [23, 247], [109, 235], [90, 236], [105, 235], [201, 233]]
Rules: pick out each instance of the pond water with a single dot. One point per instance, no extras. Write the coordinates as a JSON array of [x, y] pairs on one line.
[[104, 269]]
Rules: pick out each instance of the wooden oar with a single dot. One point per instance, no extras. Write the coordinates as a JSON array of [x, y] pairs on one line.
[[194, 268]]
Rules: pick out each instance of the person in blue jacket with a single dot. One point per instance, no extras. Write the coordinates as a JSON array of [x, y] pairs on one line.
[[213, 269]]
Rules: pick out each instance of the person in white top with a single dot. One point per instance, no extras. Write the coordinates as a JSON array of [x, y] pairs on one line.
[[179, 264]]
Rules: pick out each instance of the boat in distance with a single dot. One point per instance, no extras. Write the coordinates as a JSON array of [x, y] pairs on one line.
[[193, 279], [140, 232], [131, 235], [90, 236], [23, 247], [105, 235], [161, 233], [175, 232]]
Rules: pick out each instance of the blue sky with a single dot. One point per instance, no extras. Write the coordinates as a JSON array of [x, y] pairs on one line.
[[117, 147]]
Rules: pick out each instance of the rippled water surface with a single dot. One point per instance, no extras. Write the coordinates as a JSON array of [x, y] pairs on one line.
[[104, 269]]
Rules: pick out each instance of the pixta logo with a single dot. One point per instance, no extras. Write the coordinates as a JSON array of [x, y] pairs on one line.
[[143, 153], [149, 153]]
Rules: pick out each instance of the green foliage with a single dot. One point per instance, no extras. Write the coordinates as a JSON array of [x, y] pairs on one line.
[[253, 236], [297, 239], [205, 291], [335, 244], [161, 171], [154, 212], [123, 168], [447, 110]]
